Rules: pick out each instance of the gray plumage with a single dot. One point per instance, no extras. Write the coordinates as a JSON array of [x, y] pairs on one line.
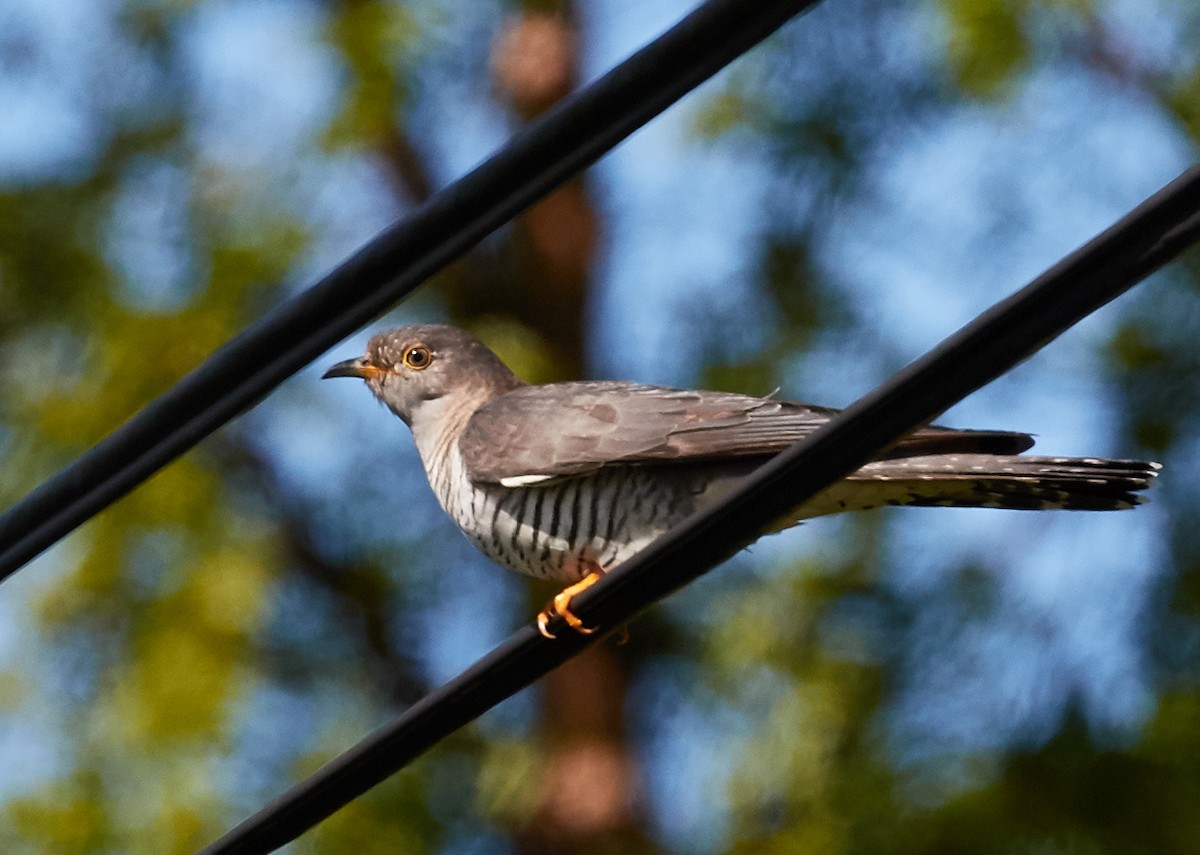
[[567, 478]]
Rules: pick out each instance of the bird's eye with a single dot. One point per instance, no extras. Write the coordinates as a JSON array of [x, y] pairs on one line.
[[417, 357]]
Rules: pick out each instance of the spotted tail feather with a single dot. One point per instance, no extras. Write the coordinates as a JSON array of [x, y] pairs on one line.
[[990, 481]]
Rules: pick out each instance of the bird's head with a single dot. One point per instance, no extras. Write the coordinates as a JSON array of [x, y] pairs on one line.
[[428, 370]]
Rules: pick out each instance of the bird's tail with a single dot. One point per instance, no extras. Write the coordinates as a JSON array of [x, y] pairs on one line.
[[990, 481]]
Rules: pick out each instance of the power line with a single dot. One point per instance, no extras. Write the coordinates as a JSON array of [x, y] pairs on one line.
[[1144, 240], [559, 144]]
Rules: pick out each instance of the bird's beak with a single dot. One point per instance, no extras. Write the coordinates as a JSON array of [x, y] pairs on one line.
[[352, 368]]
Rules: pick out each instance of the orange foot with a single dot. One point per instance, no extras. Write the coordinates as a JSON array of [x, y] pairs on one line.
[[561, 606]]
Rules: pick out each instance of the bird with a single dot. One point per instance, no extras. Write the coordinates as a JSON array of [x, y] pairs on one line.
[[564, 481]]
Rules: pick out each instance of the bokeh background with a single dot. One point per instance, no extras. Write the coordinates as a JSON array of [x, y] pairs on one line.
[[911, 681]]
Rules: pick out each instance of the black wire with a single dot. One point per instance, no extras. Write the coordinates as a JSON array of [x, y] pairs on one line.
[[563, 141], [1150, 236]]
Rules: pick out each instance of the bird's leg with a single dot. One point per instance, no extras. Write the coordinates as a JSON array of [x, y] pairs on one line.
[[561, 606]]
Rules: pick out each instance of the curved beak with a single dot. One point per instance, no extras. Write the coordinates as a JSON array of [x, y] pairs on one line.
[[352, 368]]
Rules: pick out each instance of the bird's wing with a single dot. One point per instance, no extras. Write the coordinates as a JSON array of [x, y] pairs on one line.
[[537, 433]]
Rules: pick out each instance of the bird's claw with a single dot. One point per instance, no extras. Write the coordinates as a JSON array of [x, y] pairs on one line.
[[561, 606]]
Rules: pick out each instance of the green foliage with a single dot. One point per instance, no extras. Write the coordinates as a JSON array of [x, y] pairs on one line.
[[987, 47], [374, 39]]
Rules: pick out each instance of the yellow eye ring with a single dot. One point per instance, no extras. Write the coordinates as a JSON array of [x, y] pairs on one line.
[[417, 357]]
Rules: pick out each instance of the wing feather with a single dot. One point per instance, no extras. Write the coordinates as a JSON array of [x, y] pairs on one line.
[[534, 434]]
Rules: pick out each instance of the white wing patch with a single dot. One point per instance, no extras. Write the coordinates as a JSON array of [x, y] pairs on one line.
[[524, 480]]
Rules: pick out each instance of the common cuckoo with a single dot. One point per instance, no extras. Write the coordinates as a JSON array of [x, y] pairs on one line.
[[566, 480]]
